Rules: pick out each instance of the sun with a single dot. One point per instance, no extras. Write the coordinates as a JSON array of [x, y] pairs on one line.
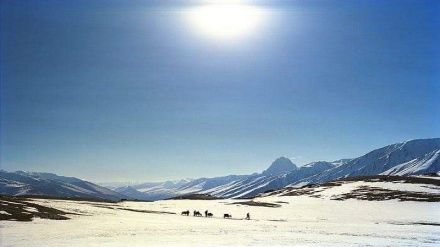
[[225, 21]]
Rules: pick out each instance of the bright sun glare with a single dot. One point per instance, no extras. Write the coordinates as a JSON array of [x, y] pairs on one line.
[[226, 21]]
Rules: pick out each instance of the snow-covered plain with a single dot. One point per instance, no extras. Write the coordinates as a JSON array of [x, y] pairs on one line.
[[298, 220]]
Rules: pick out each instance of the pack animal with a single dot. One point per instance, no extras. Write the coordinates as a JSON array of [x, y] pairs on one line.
[[227, 216], [185, 213]]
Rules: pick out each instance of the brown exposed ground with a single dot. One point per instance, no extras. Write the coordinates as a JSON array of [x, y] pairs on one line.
[[382, 178], [369, 193], [379, 194], [258, 204], [19, 210], [22, 209]]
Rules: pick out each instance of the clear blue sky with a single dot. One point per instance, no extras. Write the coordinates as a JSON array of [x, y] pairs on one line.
[[128, 90]]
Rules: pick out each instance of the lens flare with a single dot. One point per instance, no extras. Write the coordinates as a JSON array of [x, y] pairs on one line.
[[226, 21]]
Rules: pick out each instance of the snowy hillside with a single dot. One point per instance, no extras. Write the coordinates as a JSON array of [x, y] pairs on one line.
[[346, 213], [309, 170], [412, 157], [48, 184], [247, 187], [204, 184]]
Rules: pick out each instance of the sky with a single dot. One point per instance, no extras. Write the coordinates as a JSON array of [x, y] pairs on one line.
[[161, 90]]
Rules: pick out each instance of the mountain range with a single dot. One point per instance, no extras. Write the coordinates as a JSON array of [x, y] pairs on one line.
[[49, 184], [413, 157]]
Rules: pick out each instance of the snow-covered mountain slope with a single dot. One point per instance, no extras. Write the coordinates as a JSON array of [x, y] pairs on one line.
[[412, 157], [429, 163], [247, 187], [48, 184], [204, 184], [309, 170]]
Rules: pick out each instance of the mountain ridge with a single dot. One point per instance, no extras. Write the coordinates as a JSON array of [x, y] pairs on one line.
[[49, 184], [412, 157], [422, 156]]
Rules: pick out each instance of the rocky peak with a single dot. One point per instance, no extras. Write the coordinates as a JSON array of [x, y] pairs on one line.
[[280, 165]]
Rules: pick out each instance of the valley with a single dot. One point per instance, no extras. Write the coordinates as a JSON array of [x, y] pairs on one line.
[[316, 216]]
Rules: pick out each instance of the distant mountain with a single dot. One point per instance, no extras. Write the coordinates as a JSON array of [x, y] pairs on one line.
[[49, 184], [169, 189], [131, 192], [412, 157], [115, 185], [280, 165], [153, 191], [227, 186]]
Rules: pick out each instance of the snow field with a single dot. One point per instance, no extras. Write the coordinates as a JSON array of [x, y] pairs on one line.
[[300, 220]]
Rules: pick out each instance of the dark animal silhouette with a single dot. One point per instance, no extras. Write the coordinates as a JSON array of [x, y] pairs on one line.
[[197, 213], [185, 213], [209, 215], [227, 216]]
